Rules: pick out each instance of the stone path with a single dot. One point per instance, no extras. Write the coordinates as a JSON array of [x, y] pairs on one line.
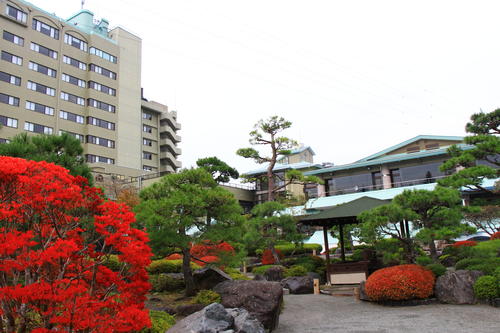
[[323, 313]]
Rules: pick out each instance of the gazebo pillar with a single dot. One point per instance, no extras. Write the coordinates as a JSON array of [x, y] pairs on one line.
[[342, 246], [327, 254]]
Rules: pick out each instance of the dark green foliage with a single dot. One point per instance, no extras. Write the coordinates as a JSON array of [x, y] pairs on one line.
[[464, 263], [437, 269], [485, 265], [163, 282], [236, 274], [221, 172], [299, 248], [487, 287], [160, 322], [168, 266], [262, 269], [113, 263], [485, 140], [64, 150], [423, 260], [207, 297], [310, 263], [296, 270]]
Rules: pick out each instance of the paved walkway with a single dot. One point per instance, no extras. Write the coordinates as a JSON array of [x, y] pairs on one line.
[[323, 313]]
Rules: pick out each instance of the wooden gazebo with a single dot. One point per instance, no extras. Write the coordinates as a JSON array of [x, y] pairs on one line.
[[341, 215]]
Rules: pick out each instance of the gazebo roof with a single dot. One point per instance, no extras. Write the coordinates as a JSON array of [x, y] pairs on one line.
[[343, 214]]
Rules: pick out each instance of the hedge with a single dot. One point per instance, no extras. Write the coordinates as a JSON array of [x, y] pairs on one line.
[[290, 248], [168, 266]]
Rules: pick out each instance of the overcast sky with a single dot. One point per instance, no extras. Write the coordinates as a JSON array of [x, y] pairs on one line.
[[354, 77]]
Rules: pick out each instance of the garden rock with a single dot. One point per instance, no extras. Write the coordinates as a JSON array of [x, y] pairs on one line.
[[457, 287], [274, 273], [259, 277], [314, 275], [216, 319], [209, 277], [187, 309], [362, 292], [262, 299], [299, 284]]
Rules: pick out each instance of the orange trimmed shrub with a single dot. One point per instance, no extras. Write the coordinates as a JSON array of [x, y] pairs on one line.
[[174, 256], [464, 243], [399, 283], [496, 235], [267, 256]]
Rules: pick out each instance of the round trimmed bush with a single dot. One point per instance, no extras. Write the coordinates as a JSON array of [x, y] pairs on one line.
[[160, 322], [397, 283], [296, 270], [262, 269], [487, 287], [206, 297], [437, 269], [423, 261], [464, 263]]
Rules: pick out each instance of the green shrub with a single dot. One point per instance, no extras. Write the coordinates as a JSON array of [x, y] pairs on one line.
[[289, 248], [168, 266], [206, 297], [497, 273], [487, 287], [262, 269], [163, 282], [113, 263], [423, 260], [486, 249], [437, 269], [357, 255], [236, 274], [160, 322], [296, 270], [464, 263]]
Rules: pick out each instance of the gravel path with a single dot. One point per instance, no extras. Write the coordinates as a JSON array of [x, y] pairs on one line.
[[322, 313]]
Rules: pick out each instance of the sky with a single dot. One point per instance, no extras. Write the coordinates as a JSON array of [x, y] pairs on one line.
[[354, 77]]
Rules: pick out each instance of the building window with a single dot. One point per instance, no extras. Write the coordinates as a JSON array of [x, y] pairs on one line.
[[72, 98], [42, 69], [2, 140], [102, 88], [147, 142], [101, 123], [147, 129], [73, 80], [101, 159], [78, 136], [71, 117], [147, 156], [101, 105], [12, 58], [6, 77], [75, 63], [395, 177], [41, 88], [377, 180], [43, 50], [37, 128], [75, 42], [100, 141], [40, 108], [102, 54], [103, 71], [148, 168], [9, 122], [16, 14], [7, 99], [13, 38], [147, 116], [45, 29]]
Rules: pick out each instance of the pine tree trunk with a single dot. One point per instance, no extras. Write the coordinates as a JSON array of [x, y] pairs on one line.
[[188, 274], [432, 248]]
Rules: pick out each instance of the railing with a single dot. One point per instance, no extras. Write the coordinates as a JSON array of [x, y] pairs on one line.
[[358, 189], [249, 187]]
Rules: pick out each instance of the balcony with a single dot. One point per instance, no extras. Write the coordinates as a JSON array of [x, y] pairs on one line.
[[169, 143], [170, 132], [169, 156]]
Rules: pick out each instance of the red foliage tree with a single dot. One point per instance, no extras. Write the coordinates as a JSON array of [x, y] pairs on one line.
[[401, 282], [268, 258], [496, 235], [56, 233], [464, 243]]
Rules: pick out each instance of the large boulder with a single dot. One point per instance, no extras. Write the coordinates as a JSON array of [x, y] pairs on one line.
[[215, 318], [262, 299], [362, 291], [314, 275], [299, 284], [187, 309], [274, 273], [457, 287], [209, 277]]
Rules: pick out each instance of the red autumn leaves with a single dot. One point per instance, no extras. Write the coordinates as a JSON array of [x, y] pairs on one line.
[[56, 232]]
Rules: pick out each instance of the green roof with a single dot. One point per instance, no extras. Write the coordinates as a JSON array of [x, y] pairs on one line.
[[385, 160], [407, 142], [344, 211]]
